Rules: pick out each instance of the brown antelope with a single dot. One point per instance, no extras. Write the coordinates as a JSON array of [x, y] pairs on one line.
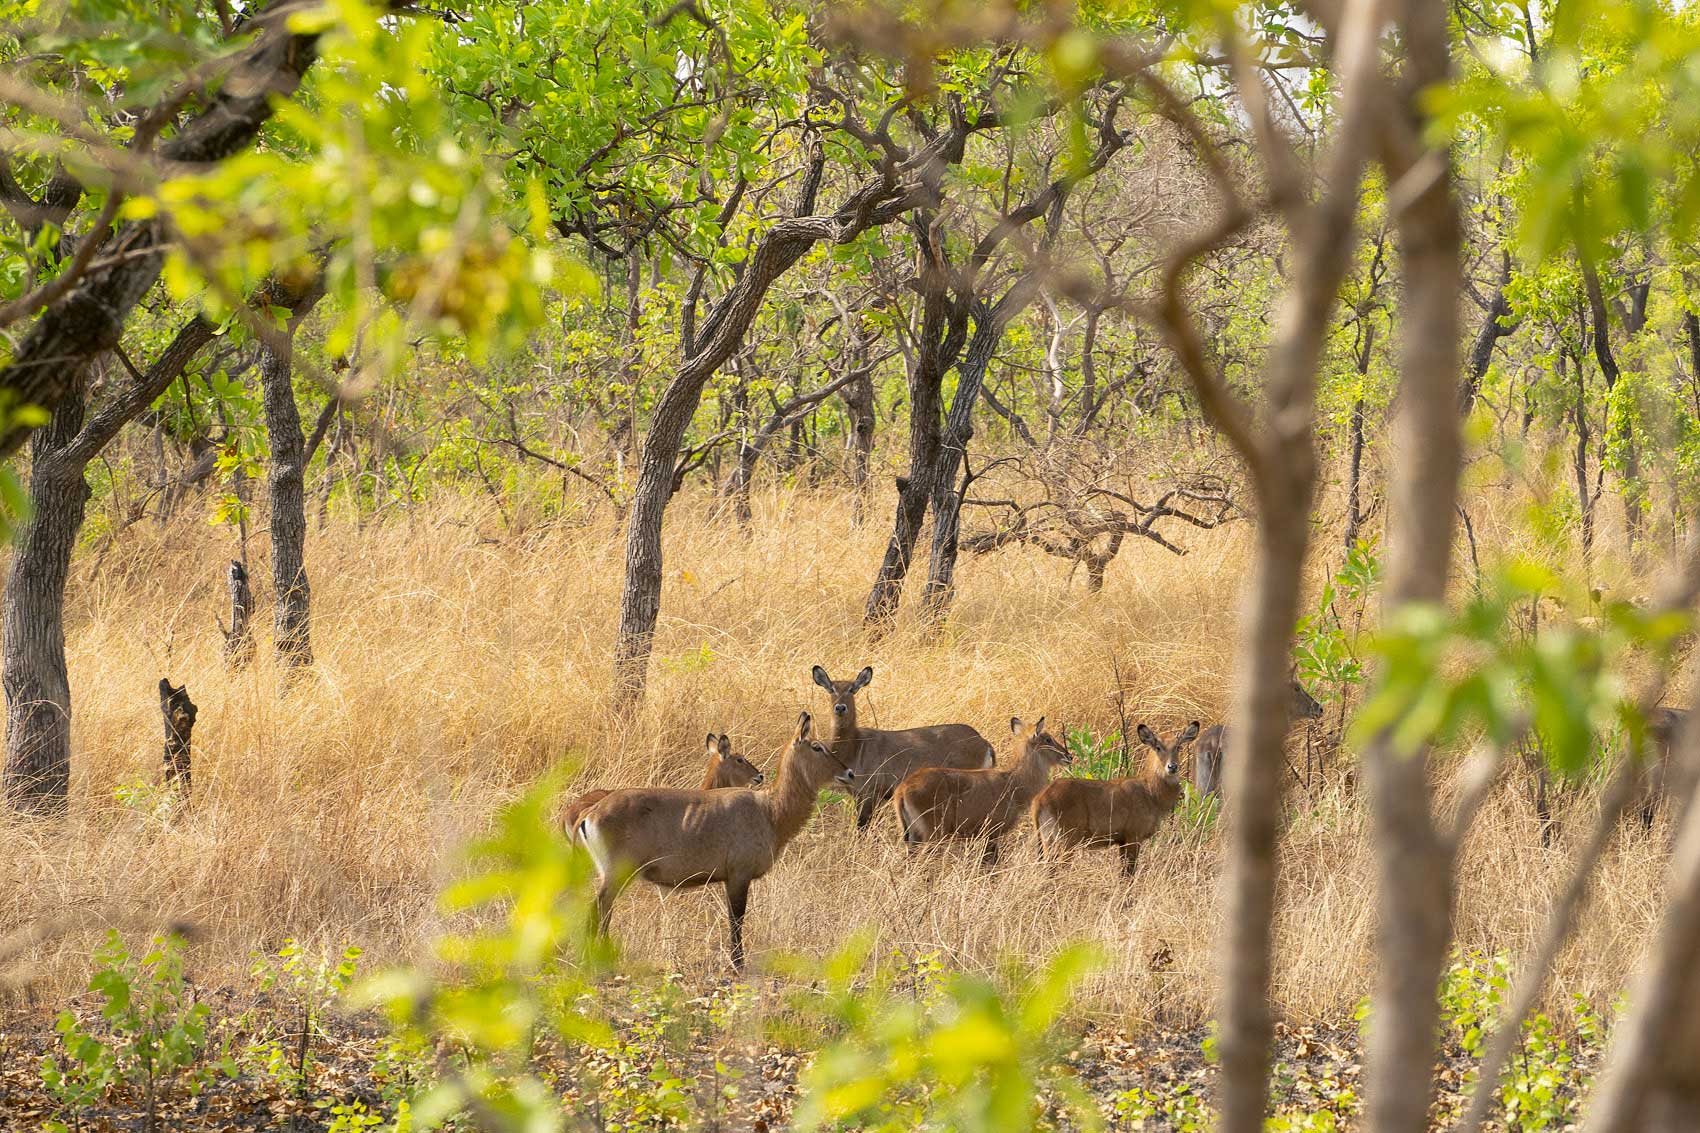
[[680, 839], [1663, 726], [938, 803], [1116, 812], [883, 758], [725, 768], [1207, 757]]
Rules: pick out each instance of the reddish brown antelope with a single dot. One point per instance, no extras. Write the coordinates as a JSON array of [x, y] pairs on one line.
[[1207, 757], [1115, 812], [725, 768], [883, 758], [938, 803], [679, 839]]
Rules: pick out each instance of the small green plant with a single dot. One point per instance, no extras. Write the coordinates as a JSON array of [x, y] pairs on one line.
[[306, 990], [150, 800], [1181, 1110], [1098, 757], [1542, 1086], [155, 1029]]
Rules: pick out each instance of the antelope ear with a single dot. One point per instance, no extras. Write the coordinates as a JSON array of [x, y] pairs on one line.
[[822, 679], [862, 678], [1015, 724], [1147, 736], [1039, 726], [713, 744], [725, 744], [1191, 732], [802, 725], [164, 688]]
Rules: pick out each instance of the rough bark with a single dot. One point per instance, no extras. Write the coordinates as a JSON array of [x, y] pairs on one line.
[[943, 331], [286, 483], [877, 201], [37, 777]]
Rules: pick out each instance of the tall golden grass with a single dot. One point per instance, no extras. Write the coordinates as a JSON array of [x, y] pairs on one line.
[[458, 662]]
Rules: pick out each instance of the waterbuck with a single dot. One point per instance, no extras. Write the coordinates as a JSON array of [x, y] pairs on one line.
[[1207, 758], [725, 768], [938, 803], [1116, 812], [679, 839], [882, 758]]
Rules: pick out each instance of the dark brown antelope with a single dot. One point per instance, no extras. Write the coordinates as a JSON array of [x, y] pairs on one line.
[[1114, 812], [1207, 757], [725, 768], [179, 712], [883, 758], [680, 839], [938, 803]]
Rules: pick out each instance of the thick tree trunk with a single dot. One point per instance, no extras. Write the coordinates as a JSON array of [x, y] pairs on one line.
[[640, 600], [292, 614], [959, 430], [32, 624], [944, 331]]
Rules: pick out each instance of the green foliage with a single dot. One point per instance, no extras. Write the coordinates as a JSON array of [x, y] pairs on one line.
[[1098, 757], [154, 1028], [305, 990], [1325, 649], [1445, 674], [974, 1059], [1181, 1109], [1543, 1085]]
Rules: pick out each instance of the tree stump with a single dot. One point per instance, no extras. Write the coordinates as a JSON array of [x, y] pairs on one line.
[[239, 638], [179, 712]]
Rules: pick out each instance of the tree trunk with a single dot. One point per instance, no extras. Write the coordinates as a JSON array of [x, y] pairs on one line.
[[1492, 330], [1579, 460], [1354, 477], [959, 430], [292, 614], [1414, 859], [859, 403], [944, 330], [32, 624], [239, 638], [1620, 423]]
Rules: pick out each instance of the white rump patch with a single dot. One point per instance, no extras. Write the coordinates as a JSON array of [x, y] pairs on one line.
[[591, 839]]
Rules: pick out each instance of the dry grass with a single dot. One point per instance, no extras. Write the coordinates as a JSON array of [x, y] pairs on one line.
[[457, 663]]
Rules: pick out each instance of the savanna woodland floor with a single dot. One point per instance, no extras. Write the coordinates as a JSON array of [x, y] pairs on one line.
[[462, 654]]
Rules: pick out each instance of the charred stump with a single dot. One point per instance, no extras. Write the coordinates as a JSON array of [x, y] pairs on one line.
[[179, 712]]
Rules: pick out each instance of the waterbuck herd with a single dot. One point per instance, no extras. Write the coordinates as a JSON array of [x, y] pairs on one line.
[[942, 781]]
